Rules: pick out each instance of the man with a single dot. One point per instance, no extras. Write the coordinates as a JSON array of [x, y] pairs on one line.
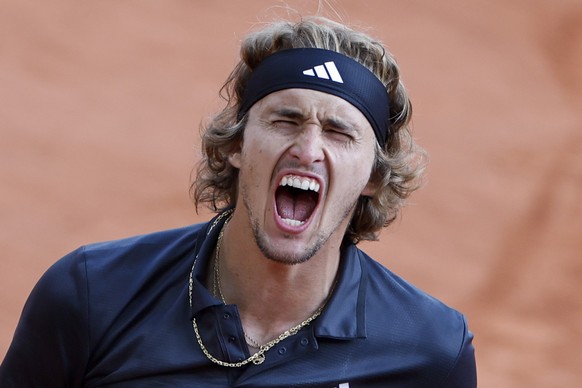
[[311, 155]]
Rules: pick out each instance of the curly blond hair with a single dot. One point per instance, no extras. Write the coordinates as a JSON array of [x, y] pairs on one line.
[[399, 164]]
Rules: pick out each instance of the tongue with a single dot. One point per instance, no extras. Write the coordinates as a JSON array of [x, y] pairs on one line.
[[298, 206]]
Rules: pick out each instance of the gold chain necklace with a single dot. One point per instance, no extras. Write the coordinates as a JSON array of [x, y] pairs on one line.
[[258, 357]]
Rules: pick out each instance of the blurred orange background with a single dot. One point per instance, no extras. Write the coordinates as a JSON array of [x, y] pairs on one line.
[[100, 105]]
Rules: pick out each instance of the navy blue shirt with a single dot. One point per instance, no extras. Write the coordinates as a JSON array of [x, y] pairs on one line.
[[117, 314]]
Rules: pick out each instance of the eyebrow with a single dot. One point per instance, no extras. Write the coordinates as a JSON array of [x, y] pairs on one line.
[[289, 113], [297, 114], [341, 124]]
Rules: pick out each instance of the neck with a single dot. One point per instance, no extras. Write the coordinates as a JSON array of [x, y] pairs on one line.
[[272, 297]]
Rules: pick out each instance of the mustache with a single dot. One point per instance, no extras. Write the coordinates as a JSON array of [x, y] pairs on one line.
[[317, 169]]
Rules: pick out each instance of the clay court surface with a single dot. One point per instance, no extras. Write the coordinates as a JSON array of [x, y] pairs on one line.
[[100, 105]]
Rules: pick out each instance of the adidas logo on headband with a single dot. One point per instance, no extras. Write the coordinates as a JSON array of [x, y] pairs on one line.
[[320, 72]]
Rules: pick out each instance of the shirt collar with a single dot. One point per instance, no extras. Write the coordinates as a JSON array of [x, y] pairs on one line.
[[344, 315]]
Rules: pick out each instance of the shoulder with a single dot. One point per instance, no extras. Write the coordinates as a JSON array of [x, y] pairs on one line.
[[178, 238], [389, 290], [130, 270], [116, 259], [128, 252], [81, 307], [118, 281], [418, 322]]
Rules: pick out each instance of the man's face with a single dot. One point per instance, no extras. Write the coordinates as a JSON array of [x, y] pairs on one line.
[[305, 159]]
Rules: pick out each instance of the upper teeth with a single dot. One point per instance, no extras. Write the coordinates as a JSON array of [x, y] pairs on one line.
[[302, 183]]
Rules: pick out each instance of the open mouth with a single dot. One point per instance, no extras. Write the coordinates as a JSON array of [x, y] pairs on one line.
[[296, 198]]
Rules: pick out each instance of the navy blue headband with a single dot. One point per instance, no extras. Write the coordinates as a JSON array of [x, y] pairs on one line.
[[325, 71]]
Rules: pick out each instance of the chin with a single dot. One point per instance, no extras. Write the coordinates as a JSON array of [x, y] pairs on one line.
[[287, 260], [290, 253]]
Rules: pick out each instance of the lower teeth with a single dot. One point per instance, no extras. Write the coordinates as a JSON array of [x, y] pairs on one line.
[[292, 222]]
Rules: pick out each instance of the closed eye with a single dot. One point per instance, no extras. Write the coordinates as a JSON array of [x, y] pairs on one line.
[[340, 134], [285, 123]]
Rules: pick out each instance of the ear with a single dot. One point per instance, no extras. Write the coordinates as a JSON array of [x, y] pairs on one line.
[[234, 159], [370, 189]]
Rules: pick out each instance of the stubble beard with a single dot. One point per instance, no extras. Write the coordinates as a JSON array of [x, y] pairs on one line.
[[273, 254]]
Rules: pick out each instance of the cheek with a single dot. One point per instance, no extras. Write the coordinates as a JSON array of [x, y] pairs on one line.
[[262, 151], [363, 172], [256, 161]]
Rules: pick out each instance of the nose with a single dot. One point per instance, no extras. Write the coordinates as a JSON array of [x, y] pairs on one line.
[[308, 145]]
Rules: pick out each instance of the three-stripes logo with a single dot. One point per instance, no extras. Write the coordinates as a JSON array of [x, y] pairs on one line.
[[326, 71]]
